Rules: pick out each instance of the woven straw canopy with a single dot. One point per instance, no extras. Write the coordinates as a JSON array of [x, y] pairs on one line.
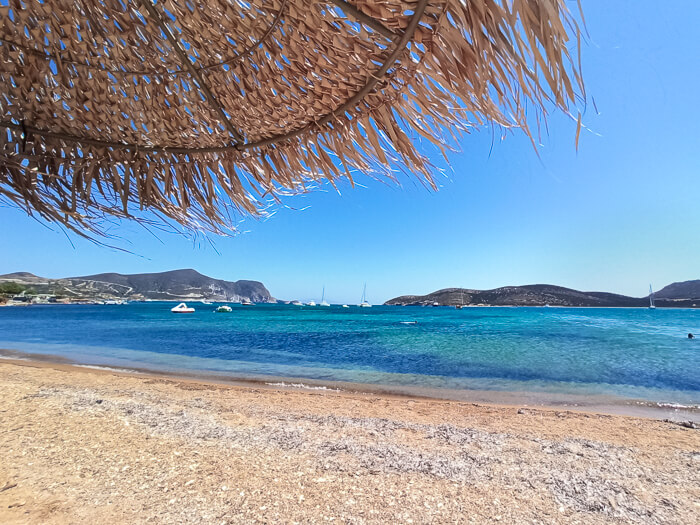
[[194, 110]]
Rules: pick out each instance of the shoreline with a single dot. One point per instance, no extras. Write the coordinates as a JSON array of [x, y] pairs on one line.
[[89, 445], [586, 404], [452, 306]]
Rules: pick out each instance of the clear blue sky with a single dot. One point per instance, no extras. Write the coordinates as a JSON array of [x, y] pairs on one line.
[[621, 213]]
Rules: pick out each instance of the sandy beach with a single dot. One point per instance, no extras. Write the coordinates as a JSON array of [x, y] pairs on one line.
[[83, 445]]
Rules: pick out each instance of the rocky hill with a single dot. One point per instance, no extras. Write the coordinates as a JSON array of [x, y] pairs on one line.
[[176, 285], [543, 294], [680, 290]]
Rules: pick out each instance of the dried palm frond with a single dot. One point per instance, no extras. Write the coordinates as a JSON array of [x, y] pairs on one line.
[[194, 111]]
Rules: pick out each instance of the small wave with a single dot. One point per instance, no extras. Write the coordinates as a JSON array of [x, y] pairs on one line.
[[302, 385], [676, 406], [110, 369], [13, 358]]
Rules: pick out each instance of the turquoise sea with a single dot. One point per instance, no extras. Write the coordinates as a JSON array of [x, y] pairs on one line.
[[624, 353]]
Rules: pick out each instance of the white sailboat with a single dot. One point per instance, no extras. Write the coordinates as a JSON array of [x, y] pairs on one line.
[[323, 298], [364, 303], [652, 306], [461, 304]]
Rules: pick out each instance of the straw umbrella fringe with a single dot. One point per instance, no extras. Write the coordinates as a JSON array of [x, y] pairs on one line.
[[200, 113]]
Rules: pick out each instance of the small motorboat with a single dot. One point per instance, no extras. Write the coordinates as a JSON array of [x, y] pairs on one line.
[[224, 309], [246, 302], [182, 308], [297, 303], [345, 306], [311, 303]]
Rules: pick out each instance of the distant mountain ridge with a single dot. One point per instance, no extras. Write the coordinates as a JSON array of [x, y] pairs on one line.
[[175, 285], [680, 290], [682, 294]]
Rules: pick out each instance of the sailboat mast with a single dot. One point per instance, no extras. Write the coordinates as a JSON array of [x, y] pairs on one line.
[[323, 294], [364, 293], [651, 297]]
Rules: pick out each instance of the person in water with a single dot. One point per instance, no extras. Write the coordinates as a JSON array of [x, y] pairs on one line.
[[691, 336]]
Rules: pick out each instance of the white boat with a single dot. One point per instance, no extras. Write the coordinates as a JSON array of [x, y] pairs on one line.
[[297, 303], [652, 306], [364, 303], [246, 302], [182, 308], [224, 309], [323, 298], [204, 301], [311, 303], [461, 304], [345, 306]]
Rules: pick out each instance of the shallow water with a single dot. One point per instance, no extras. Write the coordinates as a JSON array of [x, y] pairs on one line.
[[628, 353]]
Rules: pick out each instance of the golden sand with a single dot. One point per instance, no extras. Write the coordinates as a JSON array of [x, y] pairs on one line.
[[92, 446]]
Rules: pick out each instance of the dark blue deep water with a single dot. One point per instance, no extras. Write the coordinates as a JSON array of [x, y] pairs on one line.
[[634, 353]]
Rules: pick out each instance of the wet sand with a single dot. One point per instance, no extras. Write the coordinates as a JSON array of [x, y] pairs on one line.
[[591, 403], [81, 444]]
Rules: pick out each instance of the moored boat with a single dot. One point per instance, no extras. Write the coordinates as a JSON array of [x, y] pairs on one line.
[[224, 309], [182, 308], [323, 298], [364, 303]]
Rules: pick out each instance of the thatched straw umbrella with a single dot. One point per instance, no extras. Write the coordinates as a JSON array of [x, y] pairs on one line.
[[191, 110]]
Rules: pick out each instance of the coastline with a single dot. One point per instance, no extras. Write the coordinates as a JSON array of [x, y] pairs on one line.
[[85, 444], [591, 404], [449, 306]]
